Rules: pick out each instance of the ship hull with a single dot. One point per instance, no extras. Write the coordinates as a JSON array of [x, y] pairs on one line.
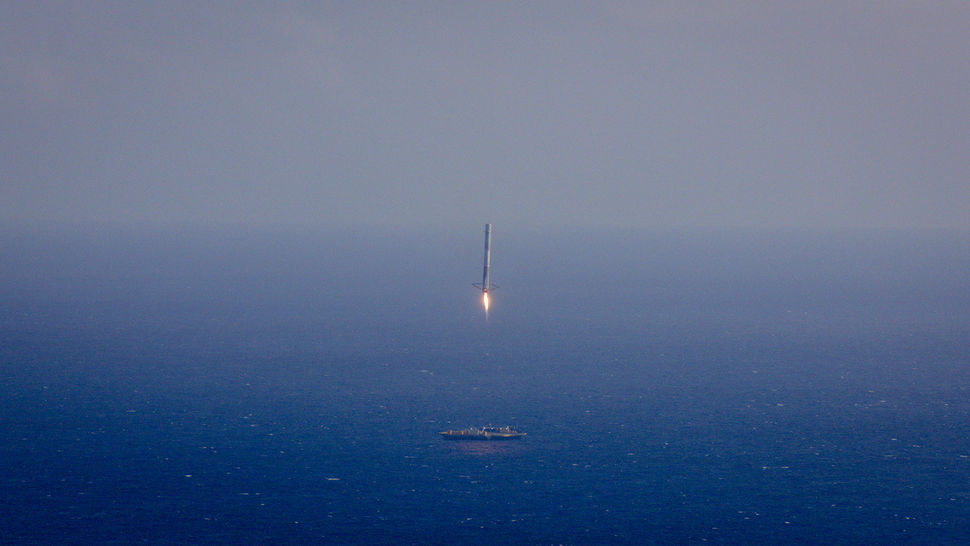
[[483, 434], [481, 437]]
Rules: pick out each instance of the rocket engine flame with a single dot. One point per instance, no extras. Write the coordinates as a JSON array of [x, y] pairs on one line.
[[485, 301]]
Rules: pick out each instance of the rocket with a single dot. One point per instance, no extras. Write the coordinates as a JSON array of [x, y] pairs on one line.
[[484, 287], [488, 242]]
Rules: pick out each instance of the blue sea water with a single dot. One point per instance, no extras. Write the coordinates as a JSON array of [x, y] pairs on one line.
[[279, 386]]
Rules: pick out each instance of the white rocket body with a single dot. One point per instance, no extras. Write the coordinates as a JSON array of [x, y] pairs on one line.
[[488, 242], [486, 283]]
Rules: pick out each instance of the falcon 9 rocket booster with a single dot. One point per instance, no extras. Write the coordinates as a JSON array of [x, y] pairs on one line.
[[484, 286]]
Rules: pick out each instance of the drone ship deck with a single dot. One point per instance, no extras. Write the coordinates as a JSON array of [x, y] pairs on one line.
[[483, 433]]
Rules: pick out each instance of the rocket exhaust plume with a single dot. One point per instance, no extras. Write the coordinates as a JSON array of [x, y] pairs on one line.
[[485, 286]]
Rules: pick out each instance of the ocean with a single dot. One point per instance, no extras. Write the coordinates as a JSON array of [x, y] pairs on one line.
[[271, 385]]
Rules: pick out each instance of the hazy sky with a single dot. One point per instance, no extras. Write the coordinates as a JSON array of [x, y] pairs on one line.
[[653, 114]]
